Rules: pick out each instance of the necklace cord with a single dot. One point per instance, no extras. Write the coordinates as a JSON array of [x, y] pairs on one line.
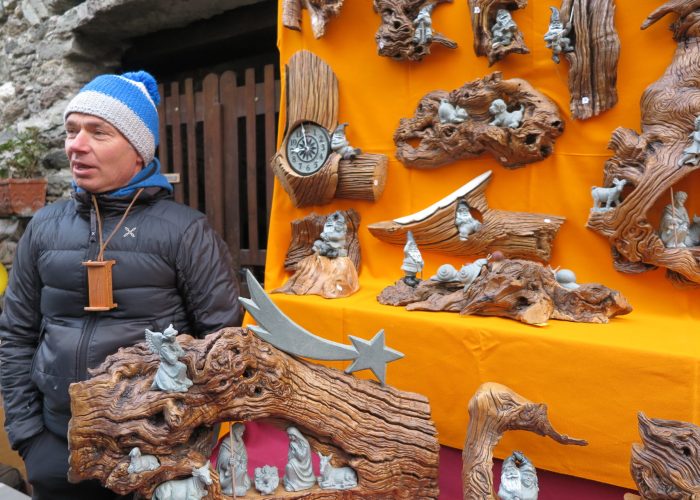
[[100, 255]]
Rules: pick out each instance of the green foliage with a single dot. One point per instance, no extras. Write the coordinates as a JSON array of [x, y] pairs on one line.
[[22, 155]]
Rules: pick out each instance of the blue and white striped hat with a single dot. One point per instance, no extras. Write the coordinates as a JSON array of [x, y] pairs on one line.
[[128, 102]]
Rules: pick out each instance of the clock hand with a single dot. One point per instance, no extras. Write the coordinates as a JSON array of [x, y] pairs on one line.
[[303, 134]]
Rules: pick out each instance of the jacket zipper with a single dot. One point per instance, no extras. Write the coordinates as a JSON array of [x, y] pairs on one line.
[[88, 329]]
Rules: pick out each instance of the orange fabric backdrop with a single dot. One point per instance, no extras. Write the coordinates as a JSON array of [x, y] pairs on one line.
[[594, 377]]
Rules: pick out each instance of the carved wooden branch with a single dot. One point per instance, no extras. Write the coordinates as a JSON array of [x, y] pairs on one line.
[[397, 37], [649, 162], [307, 230], [593, 63], [483, 15], [516, 234], [384, 434], [493, 410], [320, 11], [512, 288], [443, 143], [667, 462]]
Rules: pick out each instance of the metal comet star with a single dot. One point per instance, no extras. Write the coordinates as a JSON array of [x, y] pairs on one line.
[[277, 329]]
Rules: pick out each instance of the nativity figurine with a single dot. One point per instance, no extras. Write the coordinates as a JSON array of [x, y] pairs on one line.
[[232, 463], [332, 478], [267, 479], [504, 118], [693, 237], [557, 36], [172, 373], [449, 113], [191, 488], [609, 196], [332, 242], [412, 261], [298, 473], [691, 154], [504, 29], [675, 222], [141, 463], [518, 479], [340, 144], [465, 221]]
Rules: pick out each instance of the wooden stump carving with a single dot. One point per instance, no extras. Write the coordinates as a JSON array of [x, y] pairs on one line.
[[443, 143], [493, 410], [320, 11], [483, 15], [650, 162], [317, 275], [667, 462], [384, 434], [516, 234]]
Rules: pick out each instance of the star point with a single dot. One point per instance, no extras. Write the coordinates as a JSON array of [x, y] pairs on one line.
[[373, 355]]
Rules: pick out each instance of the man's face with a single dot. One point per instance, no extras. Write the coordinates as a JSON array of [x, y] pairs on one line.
[[101, 159]]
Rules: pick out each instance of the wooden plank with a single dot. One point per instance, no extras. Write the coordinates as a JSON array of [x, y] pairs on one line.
[[253, 259], [162, 130], [232, 211], [251, 163], [270, 131], [213, 161], [174, 114], [192, 177]]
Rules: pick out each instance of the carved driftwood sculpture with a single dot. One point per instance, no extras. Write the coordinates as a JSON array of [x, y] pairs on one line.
[[305, 231], [406, 31], [384, 434], [493, 410], [512, 288], [592, 47], [649, 162], [307, 167], [516, 234], [444, 142], [667, 462], [495, 33], [320, 11]]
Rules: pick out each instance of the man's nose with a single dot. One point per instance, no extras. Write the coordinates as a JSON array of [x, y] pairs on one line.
[[79, 143]]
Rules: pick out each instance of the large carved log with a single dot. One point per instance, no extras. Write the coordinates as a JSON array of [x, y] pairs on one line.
[[384, 434], [483, 14], [593, 62], [320, 11], [442, 142], [405, 35], [493, 410], [518, 289], [650, 162], [516, 234]]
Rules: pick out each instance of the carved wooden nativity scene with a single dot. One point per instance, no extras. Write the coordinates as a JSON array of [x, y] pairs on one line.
[[646, 168], [509, 119], [495, 32], [135, 437]]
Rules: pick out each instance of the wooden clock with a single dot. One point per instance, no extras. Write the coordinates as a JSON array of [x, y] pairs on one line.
[[306, 166]]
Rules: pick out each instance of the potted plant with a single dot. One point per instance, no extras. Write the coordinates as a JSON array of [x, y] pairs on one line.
[[22, 187]]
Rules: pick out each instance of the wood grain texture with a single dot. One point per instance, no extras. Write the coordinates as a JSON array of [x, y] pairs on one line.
[[443, 143], [493, 410], [649, 162], [395, 36], [317, 275], [307, 230], [667, 462], [483, 16], [386, 435], [516, 234], [321, 11], [512, 288], [593, 63], [362, 178]]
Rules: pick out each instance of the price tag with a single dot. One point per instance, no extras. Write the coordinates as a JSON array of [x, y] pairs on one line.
[[585, 100], [477, 10]]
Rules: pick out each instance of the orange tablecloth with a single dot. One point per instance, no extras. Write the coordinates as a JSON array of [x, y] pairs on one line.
[[594, 377]]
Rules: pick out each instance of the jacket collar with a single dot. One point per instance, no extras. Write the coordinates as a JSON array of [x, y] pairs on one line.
[[110, 204]]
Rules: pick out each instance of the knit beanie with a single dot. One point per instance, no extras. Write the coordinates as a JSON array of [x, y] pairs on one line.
[[128, 102]]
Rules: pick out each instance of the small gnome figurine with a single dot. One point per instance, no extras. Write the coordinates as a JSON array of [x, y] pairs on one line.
[[412, 261]]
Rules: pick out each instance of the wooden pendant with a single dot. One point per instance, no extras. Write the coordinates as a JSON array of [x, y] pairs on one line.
[[100, 285], [483, 14], [392, 446], [649, 162], [516, 234], [445, 134]]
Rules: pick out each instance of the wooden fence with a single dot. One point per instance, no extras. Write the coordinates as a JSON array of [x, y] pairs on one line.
[[218, 140]]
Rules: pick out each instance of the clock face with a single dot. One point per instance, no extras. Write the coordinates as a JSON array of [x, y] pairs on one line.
[[308, 147]]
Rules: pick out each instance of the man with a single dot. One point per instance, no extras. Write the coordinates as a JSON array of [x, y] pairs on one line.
[[171, 268]]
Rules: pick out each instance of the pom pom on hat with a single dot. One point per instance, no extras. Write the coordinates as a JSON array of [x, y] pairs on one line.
[[128, 102]]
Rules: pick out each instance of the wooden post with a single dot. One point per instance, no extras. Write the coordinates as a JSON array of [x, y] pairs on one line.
[[100, 285]]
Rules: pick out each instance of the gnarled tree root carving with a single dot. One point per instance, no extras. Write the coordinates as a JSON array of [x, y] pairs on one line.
[[512, 288], [397, 38], [443, 143], [493, 410], [384, 434], [667, 462], [319, 275], [320, 11], [483, 14], [649, 162]]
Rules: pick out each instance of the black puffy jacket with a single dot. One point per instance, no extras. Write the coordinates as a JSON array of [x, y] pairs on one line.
[[171, 267]]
